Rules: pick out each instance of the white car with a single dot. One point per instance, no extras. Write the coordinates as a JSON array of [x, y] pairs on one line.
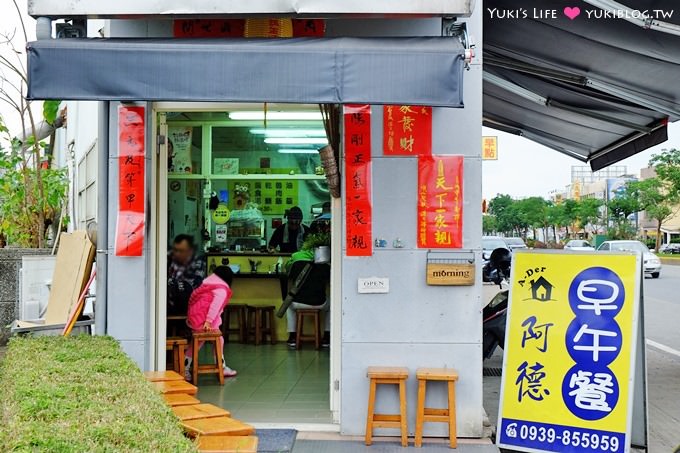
[[579, 245], [651, 262]]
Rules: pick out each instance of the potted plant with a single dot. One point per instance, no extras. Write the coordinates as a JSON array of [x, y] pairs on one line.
[[320, 243]]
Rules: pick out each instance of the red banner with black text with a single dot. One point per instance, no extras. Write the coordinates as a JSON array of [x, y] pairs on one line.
[[131, 190], [440, 201], [407, 130], [358, 208]]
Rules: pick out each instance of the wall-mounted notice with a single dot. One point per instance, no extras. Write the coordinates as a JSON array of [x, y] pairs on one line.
[[407, 130], [440, 201], [131, 203], [358, 208]]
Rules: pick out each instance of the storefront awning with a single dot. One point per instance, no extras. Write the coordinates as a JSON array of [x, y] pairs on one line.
[[595, 87], [411, 71]]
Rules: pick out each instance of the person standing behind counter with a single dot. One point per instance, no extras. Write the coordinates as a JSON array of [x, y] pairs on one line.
[[289, 236]]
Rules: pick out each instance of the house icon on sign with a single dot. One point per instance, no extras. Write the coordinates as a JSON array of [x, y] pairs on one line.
[[541, 289]]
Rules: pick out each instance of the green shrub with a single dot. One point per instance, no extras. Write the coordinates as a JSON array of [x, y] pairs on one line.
[[81, 394]]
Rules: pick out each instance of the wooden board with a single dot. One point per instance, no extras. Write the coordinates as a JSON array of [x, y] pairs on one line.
[[180, 399], [197, 411], [175, 387], [227, 444], [450, 274], [159, 376], [217, 425]]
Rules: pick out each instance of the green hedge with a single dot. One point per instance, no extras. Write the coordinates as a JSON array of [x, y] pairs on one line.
[[81, 394]]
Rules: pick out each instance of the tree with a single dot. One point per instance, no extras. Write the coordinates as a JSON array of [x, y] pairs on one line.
[[31, 193], [667, 167], [501, 207], [658, 199], [588, 212], [489, 224], [621, 207]]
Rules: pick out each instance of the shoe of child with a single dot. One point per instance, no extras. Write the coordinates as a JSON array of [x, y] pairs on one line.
[[228, 372], [187, 375]]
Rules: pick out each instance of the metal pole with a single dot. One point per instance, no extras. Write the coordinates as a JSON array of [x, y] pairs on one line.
[[100, 325]]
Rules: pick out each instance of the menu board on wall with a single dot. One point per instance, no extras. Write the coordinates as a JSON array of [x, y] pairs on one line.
[[358, 207], [440, 201], [407, 130], [272, 196], [131, 190]]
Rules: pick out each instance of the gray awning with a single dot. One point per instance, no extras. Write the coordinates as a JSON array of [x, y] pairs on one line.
[[598, 89], [411, 71]]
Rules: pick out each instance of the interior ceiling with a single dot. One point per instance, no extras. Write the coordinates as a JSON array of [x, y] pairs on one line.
[[597, 89]]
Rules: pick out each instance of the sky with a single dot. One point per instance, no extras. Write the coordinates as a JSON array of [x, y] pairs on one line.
[[523, 168]]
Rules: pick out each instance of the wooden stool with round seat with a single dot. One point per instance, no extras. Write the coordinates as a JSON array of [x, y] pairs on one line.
[[426, 414], [261, 323], [387, 375], [238, 311], [212, 338], [300, 335]]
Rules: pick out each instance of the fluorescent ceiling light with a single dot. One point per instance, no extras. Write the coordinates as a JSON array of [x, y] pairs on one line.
[[289, 132], [296, 141], [298, 151], [257, 115]]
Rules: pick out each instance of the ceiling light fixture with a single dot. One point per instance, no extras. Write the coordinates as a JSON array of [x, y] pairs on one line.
[[296, 141], [274, 116], [298, 151], [289, 132]]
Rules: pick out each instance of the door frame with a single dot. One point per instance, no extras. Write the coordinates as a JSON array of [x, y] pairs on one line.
[[159, 209]]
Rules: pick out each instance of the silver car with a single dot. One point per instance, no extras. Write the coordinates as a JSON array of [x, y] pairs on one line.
[[651, 262], [580, 245]]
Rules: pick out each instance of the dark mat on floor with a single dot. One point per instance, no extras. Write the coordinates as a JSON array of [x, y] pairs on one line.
[[334, 446], [275, 440]]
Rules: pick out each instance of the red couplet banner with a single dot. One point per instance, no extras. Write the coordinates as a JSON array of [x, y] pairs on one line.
[[440, 201], [131, 207], [407, 130], [359, 211], [235, 28]]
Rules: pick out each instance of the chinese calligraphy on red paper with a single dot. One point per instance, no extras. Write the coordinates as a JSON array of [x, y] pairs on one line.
[[131, 207], [358, 214], [440, 201], [407, 130], [235, 28]]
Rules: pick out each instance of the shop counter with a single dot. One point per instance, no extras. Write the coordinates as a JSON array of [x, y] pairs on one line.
[[256, 288]]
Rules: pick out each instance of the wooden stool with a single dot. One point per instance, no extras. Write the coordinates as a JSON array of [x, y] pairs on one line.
[[196, 411], [159, 376], [207, 337], [214, 426], [227, 444], [167, 387], [239, 312], [177, 325], [387, 375], [426, 414], [178, 346], [261, 323], [180, 399], [300, 335]]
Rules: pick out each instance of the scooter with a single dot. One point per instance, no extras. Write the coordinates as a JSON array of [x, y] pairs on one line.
[[494, 313]]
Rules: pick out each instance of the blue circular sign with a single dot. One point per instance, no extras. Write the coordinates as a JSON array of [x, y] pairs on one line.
[[590, 393], [593, 342], [597, 291]]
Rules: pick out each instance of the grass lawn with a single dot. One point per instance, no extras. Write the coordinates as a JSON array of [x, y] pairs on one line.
[[81, 394]]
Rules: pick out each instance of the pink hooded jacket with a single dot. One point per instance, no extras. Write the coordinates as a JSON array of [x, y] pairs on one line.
[[207, 303]]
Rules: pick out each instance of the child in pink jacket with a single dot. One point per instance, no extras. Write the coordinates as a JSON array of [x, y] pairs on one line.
[[206, 305]]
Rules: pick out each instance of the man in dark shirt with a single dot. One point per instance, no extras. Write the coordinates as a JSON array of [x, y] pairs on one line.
[[311, 295], [288, 238], [186, 271]]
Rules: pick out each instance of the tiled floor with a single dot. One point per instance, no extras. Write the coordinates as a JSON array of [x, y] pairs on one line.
[[274, 384]]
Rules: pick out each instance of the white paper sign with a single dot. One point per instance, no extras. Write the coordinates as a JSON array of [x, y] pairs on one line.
[[374, 285]]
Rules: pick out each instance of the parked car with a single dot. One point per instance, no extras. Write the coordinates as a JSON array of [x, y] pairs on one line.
[[651, 262], [670, 248], [579, 245], [515, 243]]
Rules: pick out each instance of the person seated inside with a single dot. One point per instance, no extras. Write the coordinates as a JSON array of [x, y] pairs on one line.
[[310, 295], [289, 237], [186, 271]]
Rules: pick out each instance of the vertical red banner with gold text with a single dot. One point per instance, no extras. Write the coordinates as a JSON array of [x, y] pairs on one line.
[[131, 200], [407, 130], [358, 208], [440, 201]]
